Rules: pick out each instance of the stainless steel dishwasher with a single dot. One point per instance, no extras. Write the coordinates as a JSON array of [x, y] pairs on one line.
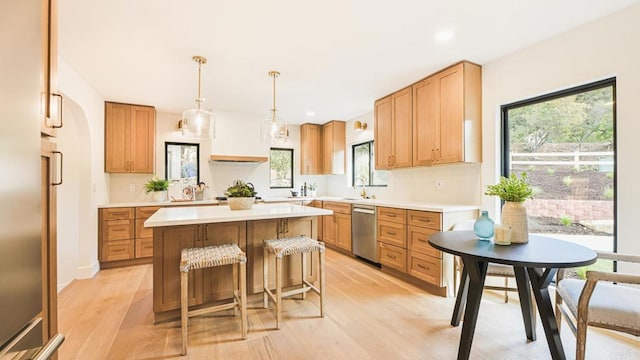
[[363, 232]]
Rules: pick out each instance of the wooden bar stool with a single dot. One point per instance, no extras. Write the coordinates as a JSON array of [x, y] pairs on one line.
[[285, 247], [206, 257]]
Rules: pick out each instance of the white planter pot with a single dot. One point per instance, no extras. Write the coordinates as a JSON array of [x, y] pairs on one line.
[[241, 203], [313, 193], [514, 214], [158, 195]]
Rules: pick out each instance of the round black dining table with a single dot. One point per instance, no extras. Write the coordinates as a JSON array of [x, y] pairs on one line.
[[534, 263]]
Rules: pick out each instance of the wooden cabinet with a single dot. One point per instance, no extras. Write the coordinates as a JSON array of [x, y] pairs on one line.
[[116, 239], [144, 236], [310, 149], [333, 147], [129, 138], [393, 130], [319, 226], [392, 237], [447, 113], [336, 230], [51, 100], [260, 230]]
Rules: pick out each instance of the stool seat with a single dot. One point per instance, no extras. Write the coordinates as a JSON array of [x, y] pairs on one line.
[[207, 257], [285, 247], [210, 256], [293, 245]]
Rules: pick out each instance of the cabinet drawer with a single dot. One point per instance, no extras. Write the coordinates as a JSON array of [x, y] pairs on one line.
[[146, 212], [117, 213], [144, 247], [393, 257], [141, 231], [118, 230], [317, 203], [338, 207], [431, 220], [117, 250], [425, 267], [418, 241], [392, 233], [392, 214]]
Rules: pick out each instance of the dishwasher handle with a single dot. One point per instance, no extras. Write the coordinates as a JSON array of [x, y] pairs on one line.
[[365, 211]]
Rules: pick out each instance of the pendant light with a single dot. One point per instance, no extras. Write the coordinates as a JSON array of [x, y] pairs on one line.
[[274, 128], [196, 122]]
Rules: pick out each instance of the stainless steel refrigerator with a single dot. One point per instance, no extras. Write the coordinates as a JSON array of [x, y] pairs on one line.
[[21, 222]]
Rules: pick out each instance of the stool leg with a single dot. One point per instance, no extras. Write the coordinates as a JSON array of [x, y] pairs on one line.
[[265, 277], [236, 293], [243, 299], [304, 273], [278, 291], [184, 308], [322, 281]]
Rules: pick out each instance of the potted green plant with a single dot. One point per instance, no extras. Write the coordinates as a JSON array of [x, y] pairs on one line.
[[313, 189], [514, 191], [157, 187], [240, 195]]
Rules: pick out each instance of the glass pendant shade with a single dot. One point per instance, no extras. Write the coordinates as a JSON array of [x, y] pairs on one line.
[[196, 123], [274, 128]]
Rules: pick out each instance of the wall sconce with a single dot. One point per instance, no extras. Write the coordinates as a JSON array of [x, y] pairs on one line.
[[359, 126]]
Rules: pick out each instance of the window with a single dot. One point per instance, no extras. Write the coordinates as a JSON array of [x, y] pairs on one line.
[[364, 173], [565, 142], [281, 168]]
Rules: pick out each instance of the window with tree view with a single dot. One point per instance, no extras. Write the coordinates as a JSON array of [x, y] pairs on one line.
[[281, 168], [565, 142], [364, 173]]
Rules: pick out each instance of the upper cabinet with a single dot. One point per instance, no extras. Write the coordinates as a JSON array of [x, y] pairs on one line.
[[51, 101], [129, 138], [435, 121], [333, 147], [447, 116], [393, 130], [310, 149]]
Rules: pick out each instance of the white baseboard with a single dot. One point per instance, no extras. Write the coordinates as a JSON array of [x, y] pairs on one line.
[[87, 272]]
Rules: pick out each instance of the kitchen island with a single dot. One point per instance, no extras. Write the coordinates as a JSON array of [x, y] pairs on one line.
[[177, 228]]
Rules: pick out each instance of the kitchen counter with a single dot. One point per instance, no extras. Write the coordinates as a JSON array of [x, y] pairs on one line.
[[158, 203], [217, 214], [409, 205]]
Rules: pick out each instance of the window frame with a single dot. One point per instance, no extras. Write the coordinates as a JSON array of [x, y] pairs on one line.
[[290, 150], [372, 164], [504, 132]]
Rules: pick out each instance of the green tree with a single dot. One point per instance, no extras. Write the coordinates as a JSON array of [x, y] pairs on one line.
[[281, 164]]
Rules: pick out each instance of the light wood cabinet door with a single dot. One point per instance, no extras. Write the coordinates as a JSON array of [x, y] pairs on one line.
[[451, 127], [51, 101], [402, 128], [329, 229], [426, 119], [310, 149], [382, 133], [49, 249], [217, 282], [343, 231], [129, 138], [333, 147]]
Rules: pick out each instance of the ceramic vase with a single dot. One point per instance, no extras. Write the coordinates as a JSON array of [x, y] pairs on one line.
[[483, 227], [241, 203], [514, 214], [157, 196]]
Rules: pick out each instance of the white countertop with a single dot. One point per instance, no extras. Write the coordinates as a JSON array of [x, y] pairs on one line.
[[159, 203], [214, 214]]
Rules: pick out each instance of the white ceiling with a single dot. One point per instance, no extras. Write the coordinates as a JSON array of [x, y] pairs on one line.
[[335, 56]]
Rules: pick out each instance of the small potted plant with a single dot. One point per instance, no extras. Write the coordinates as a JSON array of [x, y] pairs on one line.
[[157, 187], [514, 191], [240, 195]]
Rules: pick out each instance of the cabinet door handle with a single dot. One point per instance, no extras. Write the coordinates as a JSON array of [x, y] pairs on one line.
[[391, 215], [56, 183], [422, 240], [423, 267], [60, 98], [392, 233], [391, 257]]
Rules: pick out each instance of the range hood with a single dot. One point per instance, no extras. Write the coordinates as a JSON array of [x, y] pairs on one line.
[[238, 158]]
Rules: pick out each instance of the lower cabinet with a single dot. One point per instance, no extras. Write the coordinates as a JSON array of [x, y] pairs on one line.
[[336, 228], [116, 234]]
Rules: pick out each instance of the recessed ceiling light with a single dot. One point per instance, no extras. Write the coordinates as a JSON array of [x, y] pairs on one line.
[[311, 113], [444, 36]]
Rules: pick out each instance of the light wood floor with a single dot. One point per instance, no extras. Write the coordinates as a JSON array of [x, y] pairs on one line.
[[370, 315]]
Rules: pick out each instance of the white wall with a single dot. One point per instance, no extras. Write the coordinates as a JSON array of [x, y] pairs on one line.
[[83, 143], [236, 134], [604, 48]]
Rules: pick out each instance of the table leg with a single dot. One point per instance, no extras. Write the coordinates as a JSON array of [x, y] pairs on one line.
[[540, 280], [461, 299], [524, 292], [477, 271]]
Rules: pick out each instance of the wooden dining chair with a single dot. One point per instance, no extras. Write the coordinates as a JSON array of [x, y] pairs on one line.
[[602, 300]]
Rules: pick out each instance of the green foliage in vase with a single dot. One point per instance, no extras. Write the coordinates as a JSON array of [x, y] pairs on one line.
[[513, 188], [156, 184], [240, 189], [566, 220]]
